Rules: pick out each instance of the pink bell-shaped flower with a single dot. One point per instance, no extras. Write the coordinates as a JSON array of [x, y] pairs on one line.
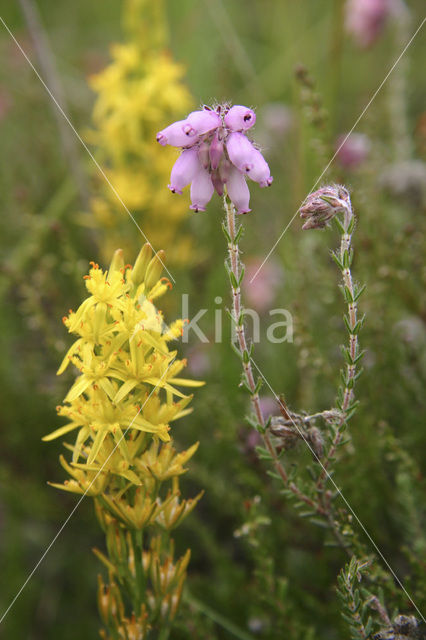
[[201, 122], [216, 151], [240, 151], [201, 190], [238, 190], [184, 170], [259, 170], [175, 136], [240, 118]]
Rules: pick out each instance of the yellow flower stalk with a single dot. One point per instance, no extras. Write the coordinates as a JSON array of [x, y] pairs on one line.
[[118, 411], [137, 94]]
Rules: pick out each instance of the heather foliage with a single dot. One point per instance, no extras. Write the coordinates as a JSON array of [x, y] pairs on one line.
[[310, 455]]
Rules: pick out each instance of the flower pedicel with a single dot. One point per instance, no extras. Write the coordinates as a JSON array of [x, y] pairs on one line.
[[216, 153]]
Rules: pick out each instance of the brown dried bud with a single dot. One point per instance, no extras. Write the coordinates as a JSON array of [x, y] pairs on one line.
[[322, 205], [316, 441]]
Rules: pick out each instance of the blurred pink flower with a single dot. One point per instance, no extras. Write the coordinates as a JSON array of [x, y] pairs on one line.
[[353, 151], [275, 120], [365, 19], [269, 406], [199, 360], [261, 293]]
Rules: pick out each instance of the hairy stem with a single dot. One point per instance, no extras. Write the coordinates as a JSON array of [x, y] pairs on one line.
[[345, 401], [236, 274]]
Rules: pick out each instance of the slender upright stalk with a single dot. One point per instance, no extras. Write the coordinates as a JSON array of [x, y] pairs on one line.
[[401, 137], [252, 383], [351, 292], [54, 84], [237, 311]]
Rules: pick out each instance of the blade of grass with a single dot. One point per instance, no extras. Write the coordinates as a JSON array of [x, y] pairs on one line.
[[218, 618]]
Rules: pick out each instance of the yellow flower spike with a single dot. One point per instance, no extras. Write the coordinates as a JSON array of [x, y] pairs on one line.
[[117, 262], [102, 516], [131, 555], [116, 543], [165, 463], [174, 510], [142, 261], [99, 321], [138, 516], [154, 269], [131, 108], [115, 603], [89, 483], [69, 355], [166, 575], [103, 600], [158, 290], [120, 408]]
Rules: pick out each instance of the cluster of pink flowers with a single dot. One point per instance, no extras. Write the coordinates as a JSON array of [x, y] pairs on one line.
[[365, 19], [216, 152]]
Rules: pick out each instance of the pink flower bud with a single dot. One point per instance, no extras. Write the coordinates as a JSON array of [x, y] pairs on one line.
[[216, 151], [175, 135], [203, 154], [184, 170], [240, 151], [240, 118], [201, 190], [259, 171], [322, 205], [218, 182], [238, 191], [201, 122]]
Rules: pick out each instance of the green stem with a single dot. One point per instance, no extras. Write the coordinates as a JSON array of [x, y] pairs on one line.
[[347, 397], [236, 276], [139, 584], [220, 620]]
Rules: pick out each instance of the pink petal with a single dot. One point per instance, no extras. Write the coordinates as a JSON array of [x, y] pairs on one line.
[[240, 118], [238, 191], [184, 170], [201, 190], [218, 182], [203, 154], [240, 151], [176, 136], [216, 151], [201, 122], [259, 170]]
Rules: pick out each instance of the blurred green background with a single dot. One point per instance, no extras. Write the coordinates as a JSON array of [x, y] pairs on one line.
[[249, 53]]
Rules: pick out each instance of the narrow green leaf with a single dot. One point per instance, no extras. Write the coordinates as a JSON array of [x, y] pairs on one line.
[[239, 234], [358, 292], [233, 280], [225, 232], [337, 260]]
